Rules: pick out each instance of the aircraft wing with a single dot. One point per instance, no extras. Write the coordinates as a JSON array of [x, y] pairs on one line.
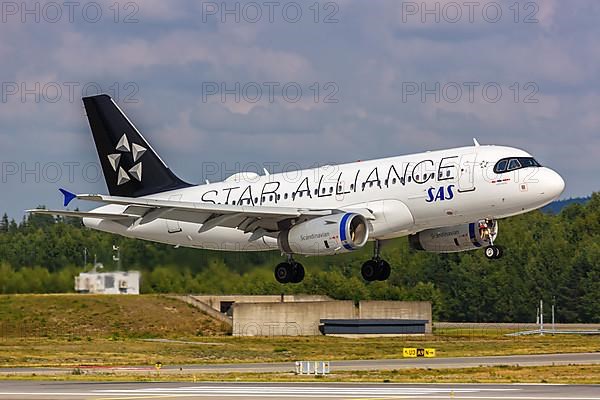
[[261, 220]]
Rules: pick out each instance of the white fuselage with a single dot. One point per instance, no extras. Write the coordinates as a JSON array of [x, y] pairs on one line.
[[406, 194]]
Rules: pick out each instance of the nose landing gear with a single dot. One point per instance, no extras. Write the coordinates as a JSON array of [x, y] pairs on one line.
[[492, 252]]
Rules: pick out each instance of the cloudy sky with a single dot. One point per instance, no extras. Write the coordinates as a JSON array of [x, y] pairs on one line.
[[222, 86]]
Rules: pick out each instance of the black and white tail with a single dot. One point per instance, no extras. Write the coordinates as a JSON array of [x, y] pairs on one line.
[[131, 167]]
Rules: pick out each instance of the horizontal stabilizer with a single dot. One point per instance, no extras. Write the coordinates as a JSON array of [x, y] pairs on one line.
[[83, 214]]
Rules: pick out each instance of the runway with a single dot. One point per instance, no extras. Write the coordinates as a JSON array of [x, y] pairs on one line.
[[21, 390], [407, 363], [341, 365]]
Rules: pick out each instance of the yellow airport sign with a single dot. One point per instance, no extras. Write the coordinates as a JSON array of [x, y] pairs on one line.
[[409, 352], [429, 353], [412, 352]]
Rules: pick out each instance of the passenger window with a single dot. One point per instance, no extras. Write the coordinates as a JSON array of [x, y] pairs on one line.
[[394, 181], [331, 189], [323, 191], [352, 186], [285, 196], [271, 198]]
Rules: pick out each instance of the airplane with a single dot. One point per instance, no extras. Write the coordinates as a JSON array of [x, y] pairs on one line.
[[444, 201]]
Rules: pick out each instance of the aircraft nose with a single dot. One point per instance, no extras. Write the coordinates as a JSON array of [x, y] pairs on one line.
[[554, 184]]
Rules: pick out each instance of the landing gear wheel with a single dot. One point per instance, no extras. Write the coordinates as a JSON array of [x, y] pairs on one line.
[[370, 270], [283, 272], [493, 252], [499, 252], [297, 273], [384, 270], [289, 272]]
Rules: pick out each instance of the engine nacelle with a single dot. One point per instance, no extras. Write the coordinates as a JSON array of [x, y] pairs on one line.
[[332, 234], [452, 239]]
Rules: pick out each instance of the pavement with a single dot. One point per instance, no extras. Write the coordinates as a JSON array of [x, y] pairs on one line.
[[347, 365], [21, 390]]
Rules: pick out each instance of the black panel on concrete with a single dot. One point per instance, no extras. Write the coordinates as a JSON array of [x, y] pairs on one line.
[[372, 326]]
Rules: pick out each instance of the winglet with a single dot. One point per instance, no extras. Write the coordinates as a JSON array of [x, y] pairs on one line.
[[68, 196], [475, 142]]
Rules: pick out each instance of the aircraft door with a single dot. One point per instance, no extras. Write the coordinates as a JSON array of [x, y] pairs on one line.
[[466, 177]]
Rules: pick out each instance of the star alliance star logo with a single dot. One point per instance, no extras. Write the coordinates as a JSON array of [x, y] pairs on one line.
[[134, 172]]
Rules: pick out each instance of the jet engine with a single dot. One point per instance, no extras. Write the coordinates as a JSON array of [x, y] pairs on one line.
[[452, 239], [331, 234]]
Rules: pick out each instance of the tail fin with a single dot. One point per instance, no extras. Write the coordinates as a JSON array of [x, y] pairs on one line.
[[131, 167]]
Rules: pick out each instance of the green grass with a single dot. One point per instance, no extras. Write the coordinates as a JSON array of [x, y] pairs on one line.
[[128, 351], [77, 317], [568, 374], [73, 330]]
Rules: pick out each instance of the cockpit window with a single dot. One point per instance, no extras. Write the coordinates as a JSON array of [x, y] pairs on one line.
[[528, 162], [514, 163], [501, 166]]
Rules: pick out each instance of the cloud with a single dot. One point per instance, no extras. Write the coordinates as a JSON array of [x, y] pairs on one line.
[[370, 53]]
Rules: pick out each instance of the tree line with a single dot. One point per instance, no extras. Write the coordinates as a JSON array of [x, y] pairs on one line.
[[554, 257]]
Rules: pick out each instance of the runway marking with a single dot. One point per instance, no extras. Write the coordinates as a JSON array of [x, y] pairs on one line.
[[127, 396], [140, 397], [300, 391], [303, 391]]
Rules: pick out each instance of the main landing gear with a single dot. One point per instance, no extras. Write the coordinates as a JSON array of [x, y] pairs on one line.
[[376, 269], [289, 272], [492, 252]]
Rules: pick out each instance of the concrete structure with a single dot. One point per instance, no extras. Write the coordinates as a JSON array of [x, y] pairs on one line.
[[117, 282], [223, 303], [287, 319], [420, 310], [301, 315], [304, 318]]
